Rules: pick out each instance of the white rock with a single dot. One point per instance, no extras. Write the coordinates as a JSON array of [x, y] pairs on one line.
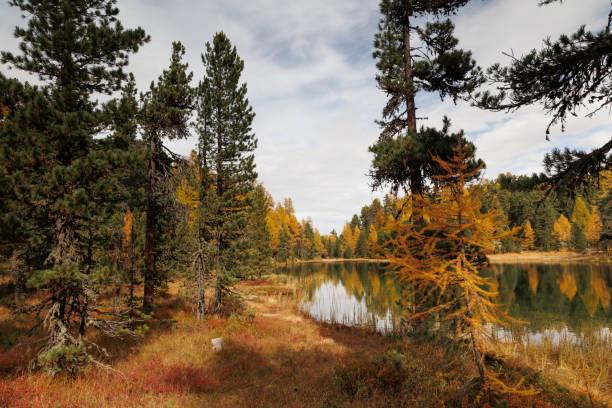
[[217, 344]]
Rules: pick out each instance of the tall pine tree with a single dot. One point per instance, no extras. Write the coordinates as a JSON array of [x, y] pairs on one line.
[[225, 150], [78, 49], [403, 154], [166, 109]]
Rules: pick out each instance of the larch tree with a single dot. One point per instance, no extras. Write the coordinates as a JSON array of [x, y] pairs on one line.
[[581, 215], [561, 231], [528, 236], [78, 49], [166, 109], [225, 149], [403, 154], [594, 228], [440, 260]]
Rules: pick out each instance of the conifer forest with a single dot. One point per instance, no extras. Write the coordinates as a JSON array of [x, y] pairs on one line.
[[390, 203]]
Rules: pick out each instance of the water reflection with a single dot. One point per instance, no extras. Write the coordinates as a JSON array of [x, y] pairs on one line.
[[546, 295], [349, 293], [560, 301]]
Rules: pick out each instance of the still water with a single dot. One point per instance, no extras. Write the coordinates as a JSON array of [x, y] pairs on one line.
[[558, 300]]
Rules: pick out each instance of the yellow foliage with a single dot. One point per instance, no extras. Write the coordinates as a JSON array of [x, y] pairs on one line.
[[4, 111], [594, 227], [528, 235], [188, 196], [601, 289], [534, 279], [347, 237], [561, 231], [356, 233], [128, 220], [581, 215], [437, 260], [567, 284]]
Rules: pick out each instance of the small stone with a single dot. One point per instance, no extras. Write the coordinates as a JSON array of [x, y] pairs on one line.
[[217, 344]]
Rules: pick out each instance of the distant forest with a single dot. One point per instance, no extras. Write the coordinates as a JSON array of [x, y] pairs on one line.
[[578, 219]]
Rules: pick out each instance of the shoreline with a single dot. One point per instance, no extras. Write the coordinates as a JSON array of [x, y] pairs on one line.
[[510, 257], [547, 257]]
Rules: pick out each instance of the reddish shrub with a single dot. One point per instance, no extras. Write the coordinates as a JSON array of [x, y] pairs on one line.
[[157, 377], [257, 282], [16, 393], [12, 359]]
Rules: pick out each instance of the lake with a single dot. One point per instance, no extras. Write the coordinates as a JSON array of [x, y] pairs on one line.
[[558, 300]]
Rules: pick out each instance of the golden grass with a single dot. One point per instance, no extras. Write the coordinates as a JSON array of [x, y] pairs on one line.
[[274, 356], [548, 257]]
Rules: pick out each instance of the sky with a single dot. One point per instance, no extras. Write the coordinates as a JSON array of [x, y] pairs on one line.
[[311, 81]]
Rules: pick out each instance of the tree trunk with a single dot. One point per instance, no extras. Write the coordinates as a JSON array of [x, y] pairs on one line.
[[410, 106], [416, 178], [149, 271], [200, 276], [17, 271]]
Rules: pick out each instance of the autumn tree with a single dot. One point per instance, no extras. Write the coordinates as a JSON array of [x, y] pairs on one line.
[[440, 261], [581, 214], [225, 150], [528, 235], [561, 231]]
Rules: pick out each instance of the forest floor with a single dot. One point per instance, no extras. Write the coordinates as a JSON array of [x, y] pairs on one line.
[[273, 356], [549, 257]]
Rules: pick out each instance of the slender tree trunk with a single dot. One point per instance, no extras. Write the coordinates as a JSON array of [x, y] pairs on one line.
[[416, 178], [149, 271], [200, 276], [410, 106], [18, 274]]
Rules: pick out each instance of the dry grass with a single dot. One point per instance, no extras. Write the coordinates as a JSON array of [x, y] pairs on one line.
[[548, 257], [274, 356], [585, 368]]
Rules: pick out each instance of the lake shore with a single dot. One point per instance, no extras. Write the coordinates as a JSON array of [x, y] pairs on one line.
[[331, 260], [547, 257]]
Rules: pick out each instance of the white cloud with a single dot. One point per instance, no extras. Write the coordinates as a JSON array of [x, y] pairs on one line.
[[310, 75]]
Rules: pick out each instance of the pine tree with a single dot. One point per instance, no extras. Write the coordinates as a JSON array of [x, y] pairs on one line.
[[403, 154], [226, 143], [257, 231], [564, 75], [578, 238], [166, 109], [77, 49]]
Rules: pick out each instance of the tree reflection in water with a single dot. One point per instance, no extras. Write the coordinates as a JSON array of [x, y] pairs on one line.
[[558, 300]]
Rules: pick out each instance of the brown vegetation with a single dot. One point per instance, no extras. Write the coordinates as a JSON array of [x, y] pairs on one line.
[[273, 356]]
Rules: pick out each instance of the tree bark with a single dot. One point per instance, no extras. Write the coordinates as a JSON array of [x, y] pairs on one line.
[[150, 272], [410, 106]]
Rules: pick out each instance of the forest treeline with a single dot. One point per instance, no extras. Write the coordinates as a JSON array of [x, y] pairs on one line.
[[578, 220]]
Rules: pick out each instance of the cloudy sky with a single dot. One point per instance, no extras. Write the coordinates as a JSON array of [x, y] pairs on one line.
[[310, 77]]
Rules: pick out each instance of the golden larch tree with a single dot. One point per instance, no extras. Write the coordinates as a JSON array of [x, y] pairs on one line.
[[561, 231], [581, 214], [439, 260], [528, 239], [593, 229]]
